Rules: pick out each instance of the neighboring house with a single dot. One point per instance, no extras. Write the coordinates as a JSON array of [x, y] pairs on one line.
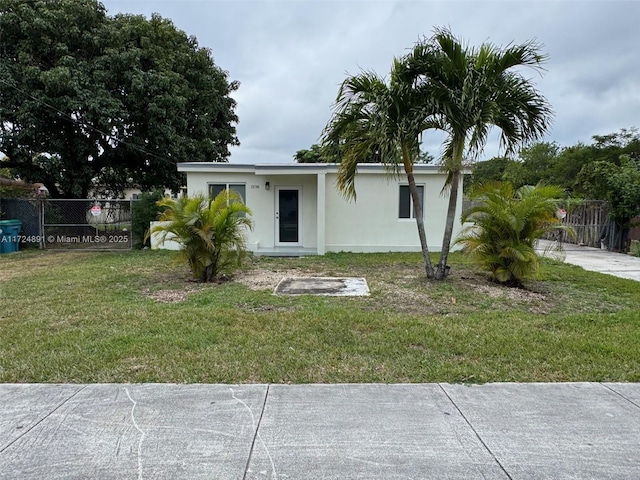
[[135, 193], [297, 208]]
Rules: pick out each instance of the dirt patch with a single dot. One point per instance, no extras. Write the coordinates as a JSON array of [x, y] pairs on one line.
[[402, 288]]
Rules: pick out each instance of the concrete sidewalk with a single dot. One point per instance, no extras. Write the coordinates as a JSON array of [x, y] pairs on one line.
[[367, 431], [595, 260]]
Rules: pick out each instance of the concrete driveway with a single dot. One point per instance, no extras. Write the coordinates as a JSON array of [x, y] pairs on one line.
[[596, 260], [367, 431]]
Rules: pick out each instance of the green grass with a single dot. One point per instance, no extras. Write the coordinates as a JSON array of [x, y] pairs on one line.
[[103, 317]]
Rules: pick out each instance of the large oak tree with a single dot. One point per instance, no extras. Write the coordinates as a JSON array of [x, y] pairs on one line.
[[94, 103]]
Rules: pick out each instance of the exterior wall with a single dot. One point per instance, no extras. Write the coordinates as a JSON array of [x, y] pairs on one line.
[[371, 223], [263, 202], [167, 244]]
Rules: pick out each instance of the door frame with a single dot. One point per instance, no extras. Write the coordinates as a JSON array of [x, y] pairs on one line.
[[276, 222]]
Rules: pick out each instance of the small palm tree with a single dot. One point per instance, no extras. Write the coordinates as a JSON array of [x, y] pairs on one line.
[[211, 232], [506, 225]]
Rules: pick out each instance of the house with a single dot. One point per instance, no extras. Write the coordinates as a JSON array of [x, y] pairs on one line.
[[297, 209]]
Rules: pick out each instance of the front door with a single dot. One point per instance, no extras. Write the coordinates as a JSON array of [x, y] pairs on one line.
[[288, 216]]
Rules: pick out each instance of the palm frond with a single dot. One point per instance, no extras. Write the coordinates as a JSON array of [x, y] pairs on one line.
[[210, 231], [506, 226]]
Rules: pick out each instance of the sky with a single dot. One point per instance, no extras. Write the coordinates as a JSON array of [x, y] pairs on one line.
[[290, 58]]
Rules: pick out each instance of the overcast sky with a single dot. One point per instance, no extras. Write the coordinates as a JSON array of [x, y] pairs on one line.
[[291, 56]]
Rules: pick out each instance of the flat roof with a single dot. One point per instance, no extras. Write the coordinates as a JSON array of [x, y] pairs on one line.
[[291, 168]]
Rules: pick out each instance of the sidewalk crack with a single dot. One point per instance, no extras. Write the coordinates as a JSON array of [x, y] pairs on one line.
[[43, 418], [256, 434], [468, 422], [611, 389]]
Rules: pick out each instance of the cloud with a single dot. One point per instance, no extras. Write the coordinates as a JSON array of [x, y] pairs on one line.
[[291, 56]]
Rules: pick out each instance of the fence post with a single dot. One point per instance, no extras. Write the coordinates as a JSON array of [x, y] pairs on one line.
[[41, 222], [132, 220]]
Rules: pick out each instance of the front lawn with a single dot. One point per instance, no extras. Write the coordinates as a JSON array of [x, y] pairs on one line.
[[136, 317]]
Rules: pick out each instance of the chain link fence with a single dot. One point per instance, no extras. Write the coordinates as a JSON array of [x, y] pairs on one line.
[[72, 224]]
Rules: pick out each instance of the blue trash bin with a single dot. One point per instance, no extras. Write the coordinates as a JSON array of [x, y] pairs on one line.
[[9, 231]]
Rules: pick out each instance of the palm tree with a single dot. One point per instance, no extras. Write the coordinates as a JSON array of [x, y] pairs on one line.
[[211, 232], [471, 90], [373, 118], [506, 225]]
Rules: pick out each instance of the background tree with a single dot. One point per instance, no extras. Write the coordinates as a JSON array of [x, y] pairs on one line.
[[143, 211], [91, 102], [613, 145], [619, 185], [471, 90], [549, 163], [567, 164], [211, 232], [425, 157], [330, 153], [10, 188], [314, 154], [506, 224], [491, 170], [534, 165]]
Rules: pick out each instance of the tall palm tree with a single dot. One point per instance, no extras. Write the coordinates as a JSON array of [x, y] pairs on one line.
[[373, 117], [471, 90], [211, 232]]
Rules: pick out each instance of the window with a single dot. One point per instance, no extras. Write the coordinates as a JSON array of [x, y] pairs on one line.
[[406, 205], [239, 188]]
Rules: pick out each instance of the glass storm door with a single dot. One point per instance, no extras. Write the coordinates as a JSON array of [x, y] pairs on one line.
[[288, 216]]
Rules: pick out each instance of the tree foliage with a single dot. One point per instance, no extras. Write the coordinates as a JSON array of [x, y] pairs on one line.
[[486, 171], [535, 165], [619, 185], [554, 165], [143, 211], [314, 154], [331, 154], [506, 224], [90, 102], [211, 232]]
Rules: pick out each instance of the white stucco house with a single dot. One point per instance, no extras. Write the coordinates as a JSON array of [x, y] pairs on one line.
[[297, 209]]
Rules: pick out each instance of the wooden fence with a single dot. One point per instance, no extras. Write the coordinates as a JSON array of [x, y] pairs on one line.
[[590, 221]]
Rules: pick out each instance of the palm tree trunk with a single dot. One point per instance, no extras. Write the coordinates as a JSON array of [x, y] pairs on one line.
[[417, 210], [443, 268]]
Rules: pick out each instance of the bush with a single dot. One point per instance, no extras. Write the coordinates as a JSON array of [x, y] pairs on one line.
[[506, 225], [144, 210], [211, 232]]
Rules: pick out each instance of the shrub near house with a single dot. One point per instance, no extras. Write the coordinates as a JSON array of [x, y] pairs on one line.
[[506, 224], [211, 232]]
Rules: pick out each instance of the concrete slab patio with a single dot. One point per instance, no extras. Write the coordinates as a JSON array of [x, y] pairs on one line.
[[324, 286], [367, 431]]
